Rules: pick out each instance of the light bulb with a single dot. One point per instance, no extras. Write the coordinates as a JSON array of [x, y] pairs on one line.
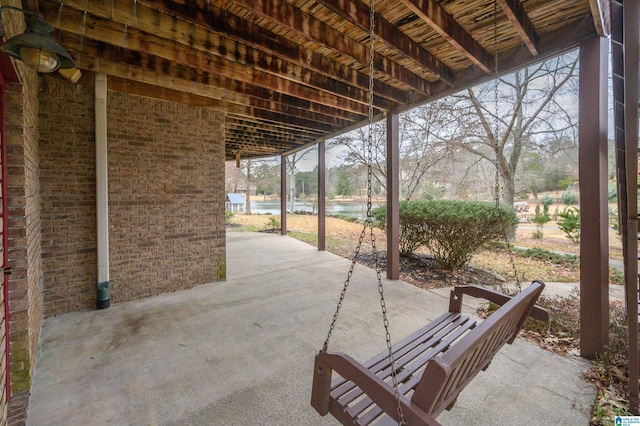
[[41, 60]]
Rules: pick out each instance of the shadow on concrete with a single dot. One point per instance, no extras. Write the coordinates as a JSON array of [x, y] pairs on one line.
[[241, 352]]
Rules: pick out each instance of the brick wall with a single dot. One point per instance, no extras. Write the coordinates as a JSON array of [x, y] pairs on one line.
[[25, 287], [166, 195], [166, 189], [67, 183]]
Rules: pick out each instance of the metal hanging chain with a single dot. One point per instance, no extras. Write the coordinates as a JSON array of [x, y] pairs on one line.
[[495, 135], [368, 224]]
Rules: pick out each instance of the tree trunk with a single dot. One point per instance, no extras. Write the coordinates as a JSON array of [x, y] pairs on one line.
[[508, 193], [248, 197], [292, 190]]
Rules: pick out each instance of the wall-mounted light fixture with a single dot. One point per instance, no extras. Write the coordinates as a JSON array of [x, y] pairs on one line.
[[36, 47]]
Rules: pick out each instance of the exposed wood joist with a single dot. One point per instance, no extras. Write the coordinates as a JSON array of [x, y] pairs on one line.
[[549, 45], [287, 73], [231, 27], [358, 14], [284, 128], [433, 14], [305, 85], [277, 134], [520, 20], [143, 82], [148, 69], [600, 11], [313, 29], [552, 44]]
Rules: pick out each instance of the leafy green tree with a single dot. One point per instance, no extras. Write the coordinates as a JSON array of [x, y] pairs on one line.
[[346, 183], [570, 223], [540, 219], [307, 183]]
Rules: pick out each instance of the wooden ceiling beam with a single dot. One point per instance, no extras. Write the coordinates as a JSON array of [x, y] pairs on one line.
[[358, 14], [433, 14], [153, 71], [333, 93], [307, 26], [212, 18], [250, 143], [283, 143], [284, 128], [255, 48], [552, 44], [145, 82], [255, 140], [271, 131], [120, 84], [600, 12], [523, 25]]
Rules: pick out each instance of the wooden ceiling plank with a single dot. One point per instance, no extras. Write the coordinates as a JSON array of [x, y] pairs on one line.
[[358, 14], [250, 34], [550, 45], [151, 80], [523, 25], [285, 128], [159, 18], [433, 14], [71, 21], [313, 29], [271, 131]]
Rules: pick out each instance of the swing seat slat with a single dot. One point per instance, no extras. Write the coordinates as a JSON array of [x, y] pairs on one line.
[[432, 365]]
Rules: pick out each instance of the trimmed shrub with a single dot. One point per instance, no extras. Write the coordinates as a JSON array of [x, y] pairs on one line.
[[457, 229], [569, 197], [413, 231], [273, 224], [452, 230]]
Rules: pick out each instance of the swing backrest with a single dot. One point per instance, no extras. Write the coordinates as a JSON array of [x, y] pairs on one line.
[[445, 376]]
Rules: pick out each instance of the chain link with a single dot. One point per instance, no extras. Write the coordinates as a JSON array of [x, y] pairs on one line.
[[495, 135], [368, 225]]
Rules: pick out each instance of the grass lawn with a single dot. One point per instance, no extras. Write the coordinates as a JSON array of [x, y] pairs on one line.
[[342, 236]]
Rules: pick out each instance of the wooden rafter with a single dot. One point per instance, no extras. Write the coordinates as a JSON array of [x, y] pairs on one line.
[[358, 14], [520, 20], [293, 19], [250, 65], [287, 73], [432, 13]]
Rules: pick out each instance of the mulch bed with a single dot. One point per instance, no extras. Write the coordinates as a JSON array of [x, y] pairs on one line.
[[423, 271]]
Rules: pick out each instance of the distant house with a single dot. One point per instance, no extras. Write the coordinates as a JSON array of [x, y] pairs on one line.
[[235, 203]]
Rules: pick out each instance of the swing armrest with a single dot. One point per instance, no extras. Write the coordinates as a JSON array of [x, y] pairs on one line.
[[455, 302], [380, 392]]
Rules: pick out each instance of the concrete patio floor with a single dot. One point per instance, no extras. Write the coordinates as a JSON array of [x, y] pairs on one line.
[[241, 352]]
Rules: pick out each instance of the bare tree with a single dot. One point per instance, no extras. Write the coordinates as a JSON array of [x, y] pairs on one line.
[[246, 167], [233, 176], [253, 169], [423, 132], [292, 168], [498, 123]]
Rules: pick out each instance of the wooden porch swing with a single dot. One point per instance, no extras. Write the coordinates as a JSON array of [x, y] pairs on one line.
[[414, 380]]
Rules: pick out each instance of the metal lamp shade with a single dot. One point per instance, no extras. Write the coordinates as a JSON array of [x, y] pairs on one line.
[[38, 49]]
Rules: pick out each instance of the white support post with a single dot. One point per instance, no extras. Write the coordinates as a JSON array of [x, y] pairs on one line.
[[102, 189]]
